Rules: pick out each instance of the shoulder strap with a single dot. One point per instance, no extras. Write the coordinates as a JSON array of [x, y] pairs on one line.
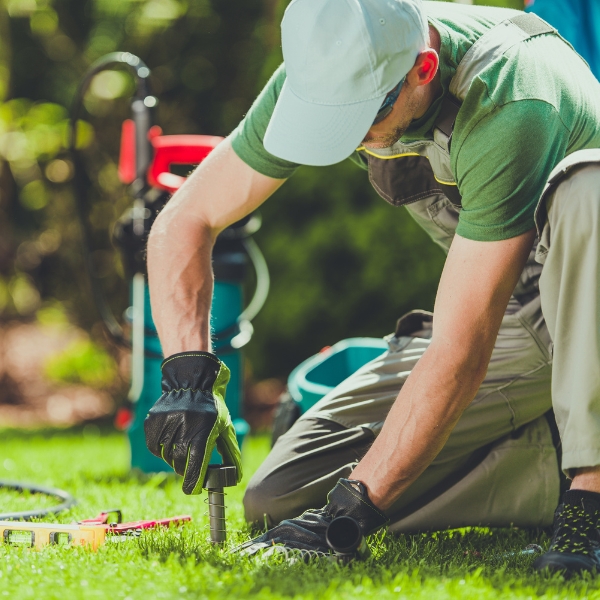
[[532, 25], [447, 115], [444, 124], [486, 49], [493, 44]]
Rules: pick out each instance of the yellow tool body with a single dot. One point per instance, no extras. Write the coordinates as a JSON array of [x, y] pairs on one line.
[[37, 535], [90, 533]]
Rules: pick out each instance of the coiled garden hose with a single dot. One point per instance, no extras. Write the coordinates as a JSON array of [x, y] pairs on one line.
[[67, 501]]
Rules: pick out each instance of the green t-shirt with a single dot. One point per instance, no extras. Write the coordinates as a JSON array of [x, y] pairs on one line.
[[525, 112]]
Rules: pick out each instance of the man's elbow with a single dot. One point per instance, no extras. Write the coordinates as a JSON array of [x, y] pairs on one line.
[[173, 225], [160, 232], [466, 364]]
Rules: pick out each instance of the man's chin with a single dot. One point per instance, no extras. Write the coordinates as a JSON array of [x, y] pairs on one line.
[[387, 141], [379, 145]]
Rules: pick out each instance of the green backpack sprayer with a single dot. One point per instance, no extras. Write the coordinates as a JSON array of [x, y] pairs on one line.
[[146, 160]]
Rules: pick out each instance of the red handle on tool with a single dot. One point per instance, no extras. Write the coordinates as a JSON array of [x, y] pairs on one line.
[[103, 517], [168, 150], [134, 525], [119, 528]]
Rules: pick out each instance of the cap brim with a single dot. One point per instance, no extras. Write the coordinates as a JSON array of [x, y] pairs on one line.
[[317, 134]]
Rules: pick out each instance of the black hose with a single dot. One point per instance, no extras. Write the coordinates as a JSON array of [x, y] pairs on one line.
[[141, 73], [67, 501]]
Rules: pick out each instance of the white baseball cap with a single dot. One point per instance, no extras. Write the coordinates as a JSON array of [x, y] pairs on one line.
[[341, 57]]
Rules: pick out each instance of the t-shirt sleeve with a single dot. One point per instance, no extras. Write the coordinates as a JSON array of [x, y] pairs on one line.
[[247, 138], [502, 166]]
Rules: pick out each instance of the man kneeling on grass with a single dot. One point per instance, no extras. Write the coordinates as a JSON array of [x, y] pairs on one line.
[[485, 124]]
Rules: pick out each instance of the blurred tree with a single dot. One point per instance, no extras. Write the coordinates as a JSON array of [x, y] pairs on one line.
[[343, 262]]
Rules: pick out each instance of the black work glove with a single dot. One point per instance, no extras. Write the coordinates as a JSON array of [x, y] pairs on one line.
[[191, 417], [348, 498]]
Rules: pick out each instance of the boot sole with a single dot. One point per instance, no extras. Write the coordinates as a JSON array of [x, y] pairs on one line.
[[569, 564]]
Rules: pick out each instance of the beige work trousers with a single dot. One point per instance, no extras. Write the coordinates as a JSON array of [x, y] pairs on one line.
[[499, 466], [569, 219]]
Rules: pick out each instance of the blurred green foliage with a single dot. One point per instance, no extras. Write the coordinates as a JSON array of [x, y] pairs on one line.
[[343, 262], [53, 315], [83, 362]]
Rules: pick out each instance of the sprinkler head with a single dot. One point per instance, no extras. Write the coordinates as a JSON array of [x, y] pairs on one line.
[[217, 478]]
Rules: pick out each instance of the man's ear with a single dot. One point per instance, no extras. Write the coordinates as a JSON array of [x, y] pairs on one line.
[[425, 68]]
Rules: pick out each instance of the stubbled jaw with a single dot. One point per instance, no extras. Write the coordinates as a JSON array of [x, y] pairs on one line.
[[384, 139]]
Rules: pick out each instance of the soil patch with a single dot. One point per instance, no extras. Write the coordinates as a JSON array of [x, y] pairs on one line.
[[27, 398]]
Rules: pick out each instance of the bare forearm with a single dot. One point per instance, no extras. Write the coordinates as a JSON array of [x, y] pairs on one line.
[[475, 287], [418, 425], [181, 283], [220, 192]]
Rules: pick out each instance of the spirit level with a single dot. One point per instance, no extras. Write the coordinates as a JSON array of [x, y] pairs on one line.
[[37, 535], [90, 533]]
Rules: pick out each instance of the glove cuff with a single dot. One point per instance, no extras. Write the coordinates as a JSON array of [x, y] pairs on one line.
[[195, 371], [350, 498], [190, 354]]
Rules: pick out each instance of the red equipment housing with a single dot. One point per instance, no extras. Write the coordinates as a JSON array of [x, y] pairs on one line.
[[169, 150]]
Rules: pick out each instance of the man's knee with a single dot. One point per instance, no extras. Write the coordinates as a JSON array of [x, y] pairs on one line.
[[303, 467], [257, 498], [268, 500]]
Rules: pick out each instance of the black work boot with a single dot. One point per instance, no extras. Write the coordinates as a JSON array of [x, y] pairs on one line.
[[575, 545]]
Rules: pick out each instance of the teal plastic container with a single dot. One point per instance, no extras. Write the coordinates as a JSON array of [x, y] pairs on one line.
[[227, 301], [141, 458], [226, 307], [319, 374]]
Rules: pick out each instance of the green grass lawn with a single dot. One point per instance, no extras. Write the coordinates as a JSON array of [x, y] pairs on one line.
[[180, 563]]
